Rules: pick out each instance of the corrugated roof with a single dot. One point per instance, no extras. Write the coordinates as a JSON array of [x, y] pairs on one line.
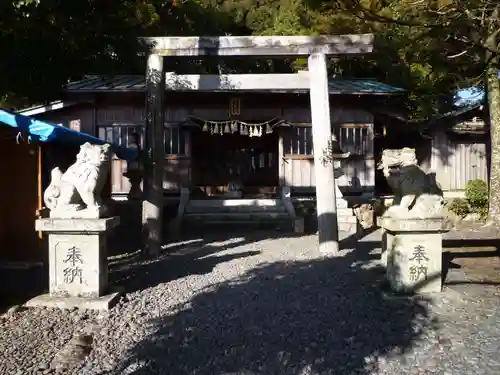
[[448, 115], [136, 83], [364, 86]]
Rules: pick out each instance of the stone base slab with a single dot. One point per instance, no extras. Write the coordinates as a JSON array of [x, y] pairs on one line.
[[86, 213], [438, 225], [76, 225], [104, 302], [412, 253]]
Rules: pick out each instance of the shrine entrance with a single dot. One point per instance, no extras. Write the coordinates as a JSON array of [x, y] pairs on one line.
[[248, 157]]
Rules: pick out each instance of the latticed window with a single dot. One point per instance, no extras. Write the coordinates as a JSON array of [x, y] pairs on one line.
[[353, 138], [122, 135], [175, 141], [298, 141]]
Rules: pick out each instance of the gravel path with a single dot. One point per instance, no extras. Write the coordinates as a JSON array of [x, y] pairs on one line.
[[259, 305]]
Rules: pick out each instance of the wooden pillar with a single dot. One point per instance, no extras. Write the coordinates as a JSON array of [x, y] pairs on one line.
[[152, 209], [281, 159], [39, 185], [325, 181]]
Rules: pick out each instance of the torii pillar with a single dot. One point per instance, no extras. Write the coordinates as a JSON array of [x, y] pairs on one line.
[[317, 47], [152, 207], [326, 196]]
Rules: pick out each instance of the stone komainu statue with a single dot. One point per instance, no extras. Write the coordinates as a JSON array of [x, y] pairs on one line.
[[416, 195], [76, 192]]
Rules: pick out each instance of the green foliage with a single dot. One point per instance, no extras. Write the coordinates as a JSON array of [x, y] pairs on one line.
[[445, 44], [476, 200], [482, 211], [46, 43], [459, 206], [21, 3], [476, 193]]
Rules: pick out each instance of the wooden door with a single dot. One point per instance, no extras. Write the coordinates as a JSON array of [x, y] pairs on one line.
[[220, 159]]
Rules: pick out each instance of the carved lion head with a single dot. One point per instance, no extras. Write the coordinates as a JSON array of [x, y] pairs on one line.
[[397, 158], [94, 154]]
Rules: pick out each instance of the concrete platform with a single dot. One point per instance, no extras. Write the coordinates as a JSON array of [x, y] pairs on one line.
[[105, 302]]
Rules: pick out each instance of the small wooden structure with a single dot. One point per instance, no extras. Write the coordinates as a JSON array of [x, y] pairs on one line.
[[454, 147], [30, 150], [26, 167], [459, 148], [202, 151]]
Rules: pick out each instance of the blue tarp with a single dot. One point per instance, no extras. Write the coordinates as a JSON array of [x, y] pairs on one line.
[[46, 132]]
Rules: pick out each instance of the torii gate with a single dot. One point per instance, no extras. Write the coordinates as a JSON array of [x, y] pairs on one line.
[[317, 48]]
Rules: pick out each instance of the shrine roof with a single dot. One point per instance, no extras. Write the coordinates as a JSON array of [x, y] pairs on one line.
[[265, 83]]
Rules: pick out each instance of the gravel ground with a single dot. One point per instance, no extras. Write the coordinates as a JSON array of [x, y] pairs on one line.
[[259, 305]]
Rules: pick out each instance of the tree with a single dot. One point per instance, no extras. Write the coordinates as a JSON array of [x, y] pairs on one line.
[[46, 44], [463, 37]]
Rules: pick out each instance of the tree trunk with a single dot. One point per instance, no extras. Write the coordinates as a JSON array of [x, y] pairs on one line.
[[493, 96]]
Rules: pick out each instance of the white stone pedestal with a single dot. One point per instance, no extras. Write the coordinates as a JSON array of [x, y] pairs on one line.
[[412, 253], [78, 269]]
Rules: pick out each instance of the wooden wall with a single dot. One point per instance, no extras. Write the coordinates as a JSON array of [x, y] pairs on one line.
[[79, 117], [457, 159], [116, 123], [354, 129]]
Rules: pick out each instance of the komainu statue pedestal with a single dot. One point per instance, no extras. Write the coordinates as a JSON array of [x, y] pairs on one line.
[[78, 267], [413, 226], [76, 229], [412, 253]]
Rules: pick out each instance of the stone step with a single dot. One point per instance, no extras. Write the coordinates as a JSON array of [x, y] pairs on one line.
[[249, 216], [341, 203], [234, 202], [229, 209], [241, 221], [251, 222], [347, 227], [347, 219], [230, 203], [286, 225], [212, 216], [345, 212], [279, 225]]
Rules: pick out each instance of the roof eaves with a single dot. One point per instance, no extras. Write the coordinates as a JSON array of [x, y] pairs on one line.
[[136, 83], [39, 109]]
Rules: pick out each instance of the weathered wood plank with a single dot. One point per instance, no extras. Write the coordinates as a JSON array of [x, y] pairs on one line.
[[261, 45], [353, 175], [455, 162]]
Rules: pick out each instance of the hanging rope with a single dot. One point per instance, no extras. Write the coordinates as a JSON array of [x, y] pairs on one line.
[[236, 126]]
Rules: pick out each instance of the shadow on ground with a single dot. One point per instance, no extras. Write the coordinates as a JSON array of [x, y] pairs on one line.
[[321, 316], [195, 254], [17, 285], [477, 259]]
